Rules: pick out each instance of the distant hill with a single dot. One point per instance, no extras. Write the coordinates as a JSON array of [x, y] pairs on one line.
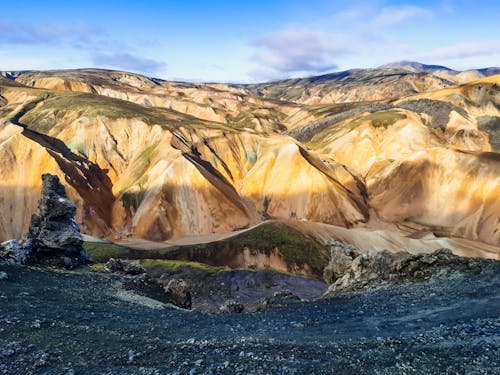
[[388, 81], [414, 66]]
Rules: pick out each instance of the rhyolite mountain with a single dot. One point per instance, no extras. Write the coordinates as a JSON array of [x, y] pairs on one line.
[[398, 157]]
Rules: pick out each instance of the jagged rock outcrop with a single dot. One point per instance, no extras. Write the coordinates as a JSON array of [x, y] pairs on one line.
[[340, 263], [351, 269], [53, 237]]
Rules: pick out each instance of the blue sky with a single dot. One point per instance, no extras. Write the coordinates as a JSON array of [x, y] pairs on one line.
[[246, 41]]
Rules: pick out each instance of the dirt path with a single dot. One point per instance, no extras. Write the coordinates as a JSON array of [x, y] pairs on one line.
[[362, 238]]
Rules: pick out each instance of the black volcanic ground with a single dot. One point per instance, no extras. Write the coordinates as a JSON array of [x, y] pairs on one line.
[[75, 323]]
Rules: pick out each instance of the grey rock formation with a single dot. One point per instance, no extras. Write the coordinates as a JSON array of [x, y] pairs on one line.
[[177, 293], [124, 266], [351, 269], [341, 259], [53, 237]]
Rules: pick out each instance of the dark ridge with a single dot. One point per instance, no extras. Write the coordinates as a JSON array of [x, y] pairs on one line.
[[415, 66], [491, 125], [223, 163], [306, 132], [362, 206], [438, 110], [489, 71], [79, 172]]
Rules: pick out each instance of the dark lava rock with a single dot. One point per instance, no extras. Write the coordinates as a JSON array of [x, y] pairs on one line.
[[438, 326], [177, 293], [351, 269], [232, 306], [279, 298], [11, 252], [124, 266], [438, 110], [441, 263], [53, 237], [210, 289], [282, 297]]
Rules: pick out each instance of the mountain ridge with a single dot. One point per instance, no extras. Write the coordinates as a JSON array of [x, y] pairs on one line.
[[187, 159]]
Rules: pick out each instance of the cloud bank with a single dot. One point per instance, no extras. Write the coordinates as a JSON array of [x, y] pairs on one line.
[[127, 61], [297, 50]]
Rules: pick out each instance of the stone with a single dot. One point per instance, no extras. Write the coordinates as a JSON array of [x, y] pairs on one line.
[[232, 306], [282, 297], [341, 258], [12, 253], [124, 266], [177, 293], [3, 276]]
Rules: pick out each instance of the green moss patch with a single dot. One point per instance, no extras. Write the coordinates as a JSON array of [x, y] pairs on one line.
[[377, 119], [156, 267], [103, 251], [296, 249], [58, 107]]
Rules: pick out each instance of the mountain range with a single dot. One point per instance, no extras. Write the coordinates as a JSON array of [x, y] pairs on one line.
[[402, 156]]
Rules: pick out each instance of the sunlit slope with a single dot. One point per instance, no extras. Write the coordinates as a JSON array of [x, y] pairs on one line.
[[139, 167], [157, 173]]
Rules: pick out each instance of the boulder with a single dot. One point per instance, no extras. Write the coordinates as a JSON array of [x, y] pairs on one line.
[[177, 293], [232, 307], [3, 276], [11, 252], [282, 297], [124, 266], [341, 258]]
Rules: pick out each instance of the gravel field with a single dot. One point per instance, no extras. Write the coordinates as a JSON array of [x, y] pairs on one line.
[[87, 323]]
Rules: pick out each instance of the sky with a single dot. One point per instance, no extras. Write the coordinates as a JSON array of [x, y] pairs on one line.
[[246, 41]]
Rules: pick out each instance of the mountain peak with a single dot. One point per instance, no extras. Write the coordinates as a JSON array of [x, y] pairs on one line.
[[414, 66]]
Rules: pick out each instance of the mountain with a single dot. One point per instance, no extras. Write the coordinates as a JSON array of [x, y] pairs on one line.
[[354, 85], [391, 81], [416, 67], [407, 158]]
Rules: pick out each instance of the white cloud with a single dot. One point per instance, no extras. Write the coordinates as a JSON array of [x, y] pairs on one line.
[[47, 34], [464, 50], [298, 50], [127, 61], [395, 15]]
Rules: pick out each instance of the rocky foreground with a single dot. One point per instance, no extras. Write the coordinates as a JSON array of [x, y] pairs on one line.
[[70, 322], [383, 312]]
